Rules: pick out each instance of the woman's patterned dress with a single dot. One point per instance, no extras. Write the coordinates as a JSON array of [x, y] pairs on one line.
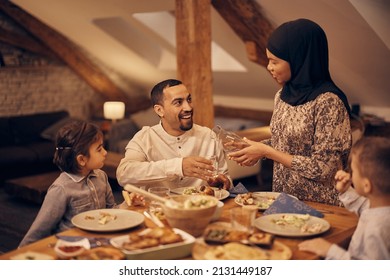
[[318, 136]]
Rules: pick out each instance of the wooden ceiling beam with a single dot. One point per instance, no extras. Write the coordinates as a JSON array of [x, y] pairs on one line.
[[193, 37], [73, 57], [248, 21], [25, 43]]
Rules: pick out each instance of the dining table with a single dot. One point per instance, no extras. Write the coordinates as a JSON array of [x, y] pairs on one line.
[[342, 226]]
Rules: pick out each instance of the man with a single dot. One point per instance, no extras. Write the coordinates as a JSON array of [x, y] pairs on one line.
[[174, 152]]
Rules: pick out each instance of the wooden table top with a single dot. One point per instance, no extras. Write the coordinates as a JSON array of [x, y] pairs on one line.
[[343, 224]]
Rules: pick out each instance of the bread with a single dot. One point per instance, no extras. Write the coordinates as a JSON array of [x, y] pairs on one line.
[[101, 253], [131, 199], [126, 197], [154, 237]]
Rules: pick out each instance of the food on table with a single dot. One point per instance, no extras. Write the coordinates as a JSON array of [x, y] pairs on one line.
[[106, 217], [194, 202], [154, 237], [206, 190], [101, 253], [299, 221], [70, 249], [201, 190], [250, 198], [131, 199], [261, 239], [235, 251], [221, 235]]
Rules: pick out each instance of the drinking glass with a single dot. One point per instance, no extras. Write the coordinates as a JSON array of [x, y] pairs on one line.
[[242, 218], [155, 206], [230, 141]]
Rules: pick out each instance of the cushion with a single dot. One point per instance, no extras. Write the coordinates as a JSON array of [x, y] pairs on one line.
[[122, 130], [145, 118], [6, 137], [51, 132], [27, 128]]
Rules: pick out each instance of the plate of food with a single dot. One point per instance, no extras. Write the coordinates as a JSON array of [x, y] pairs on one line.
[[262, 200], [159, 243], [221, 194], [222, 242], [292, 225], [239, 251], [106, 220]]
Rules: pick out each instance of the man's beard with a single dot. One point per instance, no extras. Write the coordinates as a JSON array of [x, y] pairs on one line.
[[186, 124], [186, 127]]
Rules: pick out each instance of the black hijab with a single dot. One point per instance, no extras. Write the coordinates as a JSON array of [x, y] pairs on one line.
[[303, 44]]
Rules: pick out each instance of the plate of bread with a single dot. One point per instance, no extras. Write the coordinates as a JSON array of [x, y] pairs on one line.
[[159, 243]]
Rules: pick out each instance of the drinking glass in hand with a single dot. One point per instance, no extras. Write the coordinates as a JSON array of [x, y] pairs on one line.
[[155, 206], [230, 141]]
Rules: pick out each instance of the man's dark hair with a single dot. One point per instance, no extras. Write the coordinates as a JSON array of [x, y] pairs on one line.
[[156, 94]]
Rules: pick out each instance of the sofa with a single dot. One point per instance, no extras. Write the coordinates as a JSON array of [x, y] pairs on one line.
[[27, 143]]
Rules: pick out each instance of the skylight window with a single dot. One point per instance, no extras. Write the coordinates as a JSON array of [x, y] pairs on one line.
[[163, 24]]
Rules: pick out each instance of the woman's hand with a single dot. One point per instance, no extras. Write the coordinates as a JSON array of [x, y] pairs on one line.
[[249, 155]]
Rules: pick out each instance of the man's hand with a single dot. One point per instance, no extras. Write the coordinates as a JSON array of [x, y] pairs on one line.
[[198, 167]]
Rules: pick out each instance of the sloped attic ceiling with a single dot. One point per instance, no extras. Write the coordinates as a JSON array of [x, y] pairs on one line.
[[360, 56]]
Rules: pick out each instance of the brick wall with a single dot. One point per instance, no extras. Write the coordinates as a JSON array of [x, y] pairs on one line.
[[26, 90], [31, 83]]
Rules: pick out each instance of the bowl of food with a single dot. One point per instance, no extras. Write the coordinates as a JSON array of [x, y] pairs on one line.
[[191, 213], [68, 249], [218, 211]]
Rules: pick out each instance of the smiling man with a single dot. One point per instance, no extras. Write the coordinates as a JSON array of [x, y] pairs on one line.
[[174, 152]]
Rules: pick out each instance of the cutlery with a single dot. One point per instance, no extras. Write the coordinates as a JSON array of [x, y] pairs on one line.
[[153, 218]]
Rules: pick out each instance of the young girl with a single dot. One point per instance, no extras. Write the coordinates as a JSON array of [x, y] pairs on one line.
[[81, 186], [367, 192]]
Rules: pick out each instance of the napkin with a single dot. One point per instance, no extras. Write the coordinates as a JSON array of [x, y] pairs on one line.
[[238, 189], [287, 204], [93, 241]]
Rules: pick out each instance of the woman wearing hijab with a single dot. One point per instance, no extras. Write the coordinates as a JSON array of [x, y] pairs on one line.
[[311, 133]]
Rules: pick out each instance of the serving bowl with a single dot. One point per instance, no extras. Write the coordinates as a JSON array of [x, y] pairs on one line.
[[218, 211], [190, 213]]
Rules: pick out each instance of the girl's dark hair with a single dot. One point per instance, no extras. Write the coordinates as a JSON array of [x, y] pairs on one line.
[[373, 154], [156, 94], [74, 139]]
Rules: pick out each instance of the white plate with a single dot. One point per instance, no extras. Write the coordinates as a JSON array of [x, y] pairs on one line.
[[267, 223], [125, 219], [262, 199], [162, 252], [224, 193]]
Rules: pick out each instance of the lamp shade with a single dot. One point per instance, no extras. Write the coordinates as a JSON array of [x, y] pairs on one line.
[[114, 110]]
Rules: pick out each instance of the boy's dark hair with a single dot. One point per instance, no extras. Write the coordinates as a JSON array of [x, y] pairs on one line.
[[156, 94], [74, 139], [373, 154]]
